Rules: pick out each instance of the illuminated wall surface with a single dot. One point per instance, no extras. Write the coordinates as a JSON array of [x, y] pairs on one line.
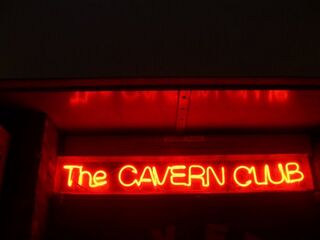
[[119, 111], [183, 174]]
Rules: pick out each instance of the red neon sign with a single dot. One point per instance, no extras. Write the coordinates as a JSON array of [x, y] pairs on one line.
[[183, 174]]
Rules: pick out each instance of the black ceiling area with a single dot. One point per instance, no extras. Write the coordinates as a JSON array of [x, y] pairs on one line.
[[134, 38]]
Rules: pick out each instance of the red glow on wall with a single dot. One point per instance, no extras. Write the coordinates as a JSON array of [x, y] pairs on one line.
[[79, 98], [183, 174], [82, 98], [267, 96]]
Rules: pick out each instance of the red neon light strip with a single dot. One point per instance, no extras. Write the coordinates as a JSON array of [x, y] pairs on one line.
[[201, 174]]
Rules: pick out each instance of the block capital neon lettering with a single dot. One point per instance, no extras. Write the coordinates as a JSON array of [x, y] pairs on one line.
[[195, 177]]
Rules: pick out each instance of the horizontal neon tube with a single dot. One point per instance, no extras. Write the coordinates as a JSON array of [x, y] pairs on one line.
[[167, 178]]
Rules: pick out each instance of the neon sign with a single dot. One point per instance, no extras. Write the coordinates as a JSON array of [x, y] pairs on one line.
[[183, 174]]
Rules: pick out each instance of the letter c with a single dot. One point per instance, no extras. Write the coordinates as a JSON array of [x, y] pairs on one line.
[[133, 170], [247, 183]]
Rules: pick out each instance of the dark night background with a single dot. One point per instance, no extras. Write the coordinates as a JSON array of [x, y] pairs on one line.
[[65, 39], [110, 38]]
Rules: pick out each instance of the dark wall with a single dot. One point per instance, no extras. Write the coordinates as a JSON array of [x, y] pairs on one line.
[[21, 171], [97, 38], [269, 216], [28, 174]]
